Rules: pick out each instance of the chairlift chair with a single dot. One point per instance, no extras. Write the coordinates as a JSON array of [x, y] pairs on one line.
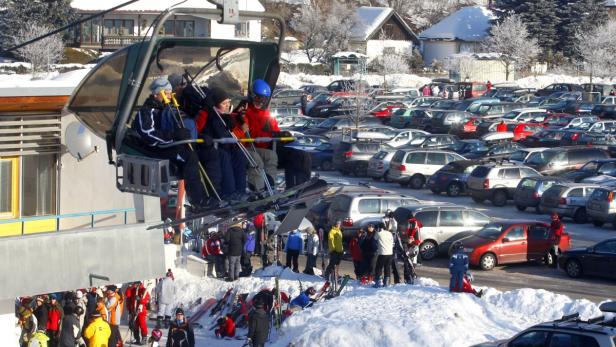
[[110, 95]]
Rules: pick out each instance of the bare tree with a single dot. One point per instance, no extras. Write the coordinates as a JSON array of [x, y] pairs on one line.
[[325, 28], [513, 42], [597, 49], [40, 54], [391, 61], [460, 63]]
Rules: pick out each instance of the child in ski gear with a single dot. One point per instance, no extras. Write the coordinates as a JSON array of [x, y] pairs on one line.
[[226, 327], [458, 266], [141, 314], [413, 237], [180, 332], [293, 248], [235, 239], [334, 243], [54, 319], [157, 124], [39, 339], [212, 251], [368, 251], [258, 325], [303, 299], [154, 340], [467, 286], [165, 291], [556, 231], [70, 334], [312, 251], [27, 322], [98, 332], [356, 253], [385, 250]]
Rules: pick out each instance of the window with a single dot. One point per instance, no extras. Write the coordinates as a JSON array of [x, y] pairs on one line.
[[242, 29], [39, 188], [119, 27], [451, 219], [427, 218], [341, 203], [480, 171], [9, 187], [606, 247], [533, 338], [416, 158], [91, 31], [369, 206], [389, 50], [398, 156], [528, 183], [474, 218], [184, 28], [436, 159], [572, 340], [512, 174], [516, 233], [577, 192], [452, 157], [538, 232], [525, 172]]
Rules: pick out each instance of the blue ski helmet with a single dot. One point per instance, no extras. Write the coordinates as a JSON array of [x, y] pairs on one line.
[[261, 88]]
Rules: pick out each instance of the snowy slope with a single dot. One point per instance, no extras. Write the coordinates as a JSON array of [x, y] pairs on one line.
[[402, 315]]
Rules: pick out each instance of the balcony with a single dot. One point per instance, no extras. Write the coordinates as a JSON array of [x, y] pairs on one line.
[[111, 42]]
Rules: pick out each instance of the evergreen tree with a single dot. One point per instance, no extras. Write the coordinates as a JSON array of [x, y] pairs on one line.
[[18, 14], [575, 16], [541, 21]]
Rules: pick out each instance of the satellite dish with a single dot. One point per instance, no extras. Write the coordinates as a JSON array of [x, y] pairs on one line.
[[79, 141]]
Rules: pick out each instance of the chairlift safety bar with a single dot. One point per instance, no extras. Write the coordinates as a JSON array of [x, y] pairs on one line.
[[230, 140]]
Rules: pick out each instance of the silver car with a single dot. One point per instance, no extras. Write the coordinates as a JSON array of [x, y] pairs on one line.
[[568, 200], [601, 206], [378, 165]]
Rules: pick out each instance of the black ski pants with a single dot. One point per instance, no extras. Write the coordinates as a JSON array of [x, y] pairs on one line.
[[383, 267], [334, 260], [292, 257]]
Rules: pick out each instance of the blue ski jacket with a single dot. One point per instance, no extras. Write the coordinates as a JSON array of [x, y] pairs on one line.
[[302, 300], [295, 242], [458, 262]]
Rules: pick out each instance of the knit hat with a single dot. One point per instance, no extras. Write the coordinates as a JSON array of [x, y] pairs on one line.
[[179, 310], [175, 80], [160, 84], [218, 95]]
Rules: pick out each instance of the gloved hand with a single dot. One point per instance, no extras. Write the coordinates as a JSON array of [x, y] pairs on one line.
[[281, 134], [182, 134], [207, 141], [229, 121]]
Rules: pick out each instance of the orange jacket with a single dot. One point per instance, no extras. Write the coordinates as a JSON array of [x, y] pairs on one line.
[[114, 304]]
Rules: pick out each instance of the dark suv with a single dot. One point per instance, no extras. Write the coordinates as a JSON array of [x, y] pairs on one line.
[[443, 122], [353, 157], [557, 161], [593, 168], [347, 85], [340, 122]]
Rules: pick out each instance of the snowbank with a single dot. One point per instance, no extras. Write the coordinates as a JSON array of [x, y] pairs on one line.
[[545, 80], [53, 79], [9, 332], [420, 315], [399, 80]]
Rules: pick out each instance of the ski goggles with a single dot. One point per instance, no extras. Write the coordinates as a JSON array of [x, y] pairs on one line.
[[259, 101]]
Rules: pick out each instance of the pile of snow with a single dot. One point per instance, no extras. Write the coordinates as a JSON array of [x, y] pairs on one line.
[[399, 80], [9, 331], [541, 81], [401, 315], [53, 79], [470, 23]]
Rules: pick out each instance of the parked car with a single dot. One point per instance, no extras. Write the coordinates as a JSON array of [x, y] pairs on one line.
[[378, 165], [601, 207], [404, 137], [304, 142], [512, 241], [353, 156], [524, 115], [433, 141], [597, 260], [338, 123], [529, 191], [285, 111], [602, 89], [352, 208], [464, 147], [445, 122], [568, 200], [559, 87], [568, 331], [314, 89], [338, 104], [401, 118], [544, 138], [287, 97], [322, 156], [452, 177], [419, 120], [495, 110], [603, 126], [347, 85], [520, 156], [414, 167], [556, 161], [494, 151], [471, 89], [591, 169], [524, 130], [604, 111], [497, 181], [442, 224], [303, 124]]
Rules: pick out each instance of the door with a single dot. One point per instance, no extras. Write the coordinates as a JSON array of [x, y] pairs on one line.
[[511, 178], [434, 162], [428, 221], [538, 241], [513, 247], [451, 222], [575, 197], [602, 261], [9, 187]]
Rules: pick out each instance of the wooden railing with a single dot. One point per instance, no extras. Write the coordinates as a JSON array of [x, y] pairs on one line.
[[119, 41]]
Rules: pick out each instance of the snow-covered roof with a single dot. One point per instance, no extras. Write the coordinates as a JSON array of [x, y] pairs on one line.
[[349, 55], [470, 23], [610, 3], [369, 19], [156, 5]]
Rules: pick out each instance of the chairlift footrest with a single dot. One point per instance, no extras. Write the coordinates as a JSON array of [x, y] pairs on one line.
[[142, 175]]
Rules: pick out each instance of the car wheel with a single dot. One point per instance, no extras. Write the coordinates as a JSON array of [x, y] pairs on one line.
[[499, 198], [487, 262], [520, 207], [597, 223], [573, 268], [326, 165], [428, 250], [454, 190], [477, 199], [580, 216], [417, 181]]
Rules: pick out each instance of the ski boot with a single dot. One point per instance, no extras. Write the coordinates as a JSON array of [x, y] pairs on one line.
[[377, 283], [385, 281], [363, 281], [479, 294]]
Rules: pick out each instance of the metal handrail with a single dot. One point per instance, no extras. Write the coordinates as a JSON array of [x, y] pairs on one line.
[[90, 214]]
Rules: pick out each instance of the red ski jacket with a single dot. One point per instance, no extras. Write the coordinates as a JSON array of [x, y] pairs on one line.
[[260, 124], [412, 234], [355, 249]]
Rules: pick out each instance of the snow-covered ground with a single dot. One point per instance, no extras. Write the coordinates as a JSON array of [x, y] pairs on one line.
[[425, 314], [399, 80], [9, 332], [541, 81]]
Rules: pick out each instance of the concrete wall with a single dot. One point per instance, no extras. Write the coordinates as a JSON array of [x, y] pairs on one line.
[[63, 261], [437, 50], [89, 185]]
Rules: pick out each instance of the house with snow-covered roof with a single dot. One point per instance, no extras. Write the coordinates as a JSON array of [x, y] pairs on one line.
[[611, 8], [381, 29], [130, 24], [461, 32]]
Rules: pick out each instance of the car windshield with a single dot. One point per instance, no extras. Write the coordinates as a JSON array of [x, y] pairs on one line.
[[328, 123], [511, 115], [490, 231], [541, 158], [518, 155], [474, 107], [400, 112], [418, 140], [590, 166]]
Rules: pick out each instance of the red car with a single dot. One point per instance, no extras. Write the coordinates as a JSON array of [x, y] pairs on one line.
[[523, 130], [511, 242], [386, 109]]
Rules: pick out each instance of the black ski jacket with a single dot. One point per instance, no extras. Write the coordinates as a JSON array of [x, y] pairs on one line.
[[258, 326], [180, 335], [236, 239]]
